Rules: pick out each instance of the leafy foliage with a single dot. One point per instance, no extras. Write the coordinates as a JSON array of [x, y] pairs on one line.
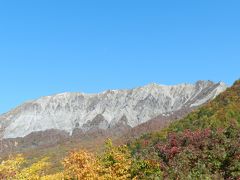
[[201, 154], [116, 162], [57, 176], [35, 171], [81, 165], [14, 168], [11, 167], [203, 145]]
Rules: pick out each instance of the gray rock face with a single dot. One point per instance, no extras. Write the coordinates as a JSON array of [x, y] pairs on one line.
[[68, 111], [98, 122]]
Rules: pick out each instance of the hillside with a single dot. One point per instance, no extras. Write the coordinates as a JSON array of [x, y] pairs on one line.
[[221, 112], [204, 144]]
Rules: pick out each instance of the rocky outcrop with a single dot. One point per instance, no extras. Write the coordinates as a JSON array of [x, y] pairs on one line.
[[110, 109]]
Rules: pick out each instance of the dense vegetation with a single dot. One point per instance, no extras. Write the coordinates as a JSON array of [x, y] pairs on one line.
[[204, 145], [114, 163], [200, 154]]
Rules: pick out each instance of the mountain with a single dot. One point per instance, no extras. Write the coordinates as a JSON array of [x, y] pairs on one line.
[[110, 109]]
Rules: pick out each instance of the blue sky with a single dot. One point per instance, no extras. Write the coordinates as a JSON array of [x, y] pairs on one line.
[[53, 46]]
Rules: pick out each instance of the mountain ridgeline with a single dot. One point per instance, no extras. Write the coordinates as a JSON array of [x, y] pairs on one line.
[[108, 110]]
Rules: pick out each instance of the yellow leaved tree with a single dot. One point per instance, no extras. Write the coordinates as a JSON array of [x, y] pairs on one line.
[[116, 162], [15, 169], [113, 164], [11, 167], [81, 165]]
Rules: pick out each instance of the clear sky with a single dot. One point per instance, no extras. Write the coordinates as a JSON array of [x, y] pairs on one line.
[[53, 46]]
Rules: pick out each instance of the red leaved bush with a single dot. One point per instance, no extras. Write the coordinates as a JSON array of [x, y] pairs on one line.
[[176, 142], [201, 154]]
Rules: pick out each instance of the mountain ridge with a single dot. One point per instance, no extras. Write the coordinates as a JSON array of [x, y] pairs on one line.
[[67, 111]]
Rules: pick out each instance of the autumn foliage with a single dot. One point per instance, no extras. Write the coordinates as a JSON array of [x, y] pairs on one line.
[[201, 154], [115, 163], [81, 165], [14, 168], [203, 145]]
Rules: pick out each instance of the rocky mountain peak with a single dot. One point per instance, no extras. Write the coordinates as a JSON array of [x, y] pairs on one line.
[[67, 111]]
